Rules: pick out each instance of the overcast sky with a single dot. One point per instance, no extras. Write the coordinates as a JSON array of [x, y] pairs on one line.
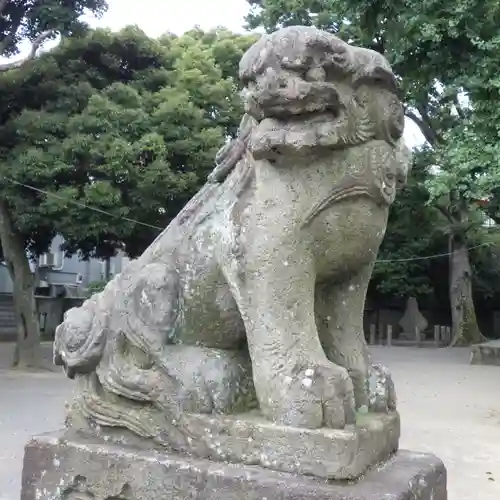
[[158, 16]]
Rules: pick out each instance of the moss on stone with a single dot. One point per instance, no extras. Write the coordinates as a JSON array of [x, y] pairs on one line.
[[244, 402], [470, 332]]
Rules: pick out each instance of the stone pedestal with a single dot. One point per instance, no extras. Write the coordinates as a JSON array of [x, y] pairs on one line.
[[57, 467], [487, 353]]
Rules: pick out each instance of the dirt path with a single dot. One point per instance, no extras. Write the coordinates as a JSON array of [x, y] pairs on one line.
[[447, 407]]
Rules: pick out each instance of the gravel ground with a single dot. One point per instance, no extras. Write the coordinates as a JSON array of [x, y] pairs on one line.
[[447, 407]]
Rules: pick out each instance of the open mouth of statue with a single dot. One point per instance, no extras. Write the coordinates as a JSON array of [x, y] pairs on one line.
[[299, 133], [296, 97], [297, 116]]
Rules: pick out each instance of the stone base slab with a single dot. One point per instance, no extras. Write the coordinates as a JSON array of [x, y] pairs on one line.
[[250, 439], [59, 468], [328, 453], [487, 353]]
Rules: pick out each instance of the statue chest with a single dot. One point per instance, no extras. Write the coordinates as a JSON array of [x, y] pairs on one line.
[[347, 235]]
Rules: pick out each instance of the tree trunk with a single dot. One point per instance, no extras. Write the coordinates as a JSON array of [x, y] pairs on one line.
[[463, 314], [28, 352]]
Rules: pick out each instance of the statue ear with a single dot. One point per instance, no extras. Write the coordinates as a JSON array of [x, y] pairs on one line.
[[404, 162]]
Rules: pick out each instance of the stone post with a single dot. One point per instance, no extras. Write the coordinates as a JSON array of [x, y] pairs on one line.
[[437, 335], [373, 334], [389, 335], [444, 334]]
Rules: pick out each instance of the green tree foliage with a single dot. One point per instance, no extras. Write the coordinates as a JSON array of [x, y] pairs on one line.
[[411, 233], [37, 20], [136, 138], [445, 54], [118, 122], [30, 21], [226, 48]]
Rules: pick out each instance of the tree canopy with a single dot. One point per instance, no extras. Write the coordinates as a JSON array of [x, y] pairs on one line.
[[38, 20], [116, 121], [32, 21]]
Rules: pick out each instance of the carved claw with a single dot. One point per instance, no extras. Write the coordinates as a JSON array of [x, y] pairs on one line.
[[319, 395]]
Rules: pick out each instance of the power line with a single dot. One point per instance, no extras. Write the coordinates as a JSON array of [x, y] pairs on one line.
[[82, 205], [427, 257], [104, 212]]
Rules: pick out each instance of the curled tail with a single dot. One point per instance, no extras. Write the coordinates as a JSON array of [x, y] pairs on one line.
[[80, 339]]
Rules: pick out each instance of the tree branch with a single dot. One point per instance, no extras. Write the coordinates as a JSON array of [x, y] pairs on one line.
[[34, 49], [459, 109], [430, 135], [16, 22], [423, 110], [491, 211], [445, 212]]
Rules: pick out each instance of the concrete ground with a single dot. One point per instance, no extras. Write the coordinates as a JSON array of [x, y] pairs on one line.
[[447, 406]]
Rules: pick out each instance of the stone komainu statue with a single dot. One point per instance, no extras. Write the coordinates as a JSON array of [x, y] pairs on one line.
[[253, 296]]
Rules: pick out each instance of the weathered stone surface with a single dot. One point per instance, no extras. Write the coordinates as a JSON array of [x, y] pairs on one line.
[[487, 353], [253, 296], [252, 440], [329, 453], [58, 468]]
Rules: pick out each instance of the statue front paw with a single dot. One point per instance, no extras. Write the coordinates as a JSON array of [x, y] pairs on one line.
[[381, 392], [312, 396]]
